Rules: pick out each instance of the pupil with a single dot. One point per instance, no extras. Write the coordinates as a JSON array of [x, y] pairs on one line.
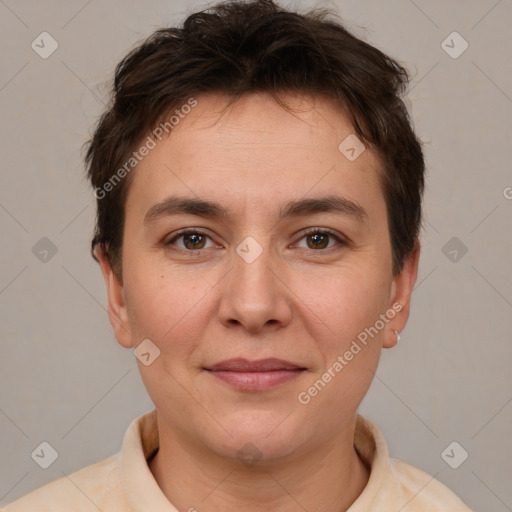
[[317, 239], [194, 237]]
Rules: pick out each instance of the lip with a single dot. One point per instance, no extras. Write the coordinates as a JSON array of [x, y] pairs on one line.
[[262, 365], [255, 375]]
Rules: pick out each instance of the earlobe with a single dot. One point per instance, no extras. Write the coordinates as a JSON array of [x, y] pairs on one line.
[[392, 337], [117, 311], [401, 290]]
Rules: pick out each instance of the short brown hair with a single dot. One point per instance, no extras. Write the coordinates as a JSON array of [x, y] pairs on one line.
[[258, 46]]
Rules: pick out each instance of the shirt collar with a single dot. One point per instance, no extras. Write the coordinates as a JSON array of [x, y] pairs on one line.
[[371, 447], [140, 443], [143, 493]]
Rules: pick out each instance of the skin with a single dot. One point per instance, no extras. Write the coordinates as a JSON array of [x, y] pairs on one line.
[[295, 302]]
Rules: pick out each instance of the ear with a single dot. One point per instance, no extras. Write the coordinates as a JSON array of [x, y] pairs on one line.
[[401, 290], [117, 312]]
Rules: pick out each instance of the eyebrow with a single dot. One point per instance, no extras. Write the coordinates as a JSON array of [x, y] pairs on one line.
[[179, 205]]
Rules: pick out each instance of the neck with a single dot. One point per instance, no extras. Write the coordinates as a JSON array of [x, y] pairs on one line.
[[325, 479]]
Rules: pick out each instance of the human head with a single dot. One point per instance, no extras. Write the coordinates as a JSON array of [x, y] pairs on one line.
[[239, 47], [263, 163]]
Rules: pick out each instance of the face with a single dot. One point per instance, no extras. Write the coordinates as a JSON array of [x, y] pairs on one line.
[[268, 270]]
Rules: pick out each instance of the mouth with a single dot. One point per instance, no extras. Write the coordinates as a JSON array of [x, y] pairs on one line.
[[259, 375]]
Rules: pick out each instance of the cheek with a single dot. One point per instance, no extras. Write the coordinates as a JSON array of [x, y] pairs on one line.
[[345, 300], [351, 347], [168, 312], [152, 306], [168, 307]]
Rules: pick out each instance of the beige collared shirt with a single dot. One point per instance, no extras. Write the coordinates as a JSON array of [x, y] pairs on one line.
[[124, 483]]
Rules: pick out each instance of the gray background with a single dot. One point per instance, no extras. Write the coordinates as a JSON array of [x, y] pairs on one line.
[[63, 377]]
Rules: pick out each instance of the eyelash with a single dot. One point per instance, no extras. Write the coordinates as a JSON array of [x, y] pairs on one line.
[[343, 242]]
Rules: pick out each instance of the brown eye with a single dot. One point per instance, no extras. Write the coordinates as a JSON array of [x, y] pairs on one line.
[[318, 240], [192, 240]]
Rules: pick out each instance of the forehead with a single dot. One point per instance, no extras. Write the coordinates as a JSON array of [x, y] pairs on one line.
[[255, 150], [256, 120]]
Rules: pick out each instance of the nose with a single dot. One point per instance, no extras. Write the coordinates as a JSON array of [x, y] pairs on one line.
[[254, 294]]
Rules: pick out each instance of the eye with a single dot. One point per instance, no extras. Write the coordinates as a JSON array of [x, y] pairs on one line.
[[319, 239], [193, 240]]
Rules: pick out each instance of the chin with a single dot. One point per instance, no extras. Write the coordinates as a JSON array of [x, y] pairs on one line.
[[262, 437]]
